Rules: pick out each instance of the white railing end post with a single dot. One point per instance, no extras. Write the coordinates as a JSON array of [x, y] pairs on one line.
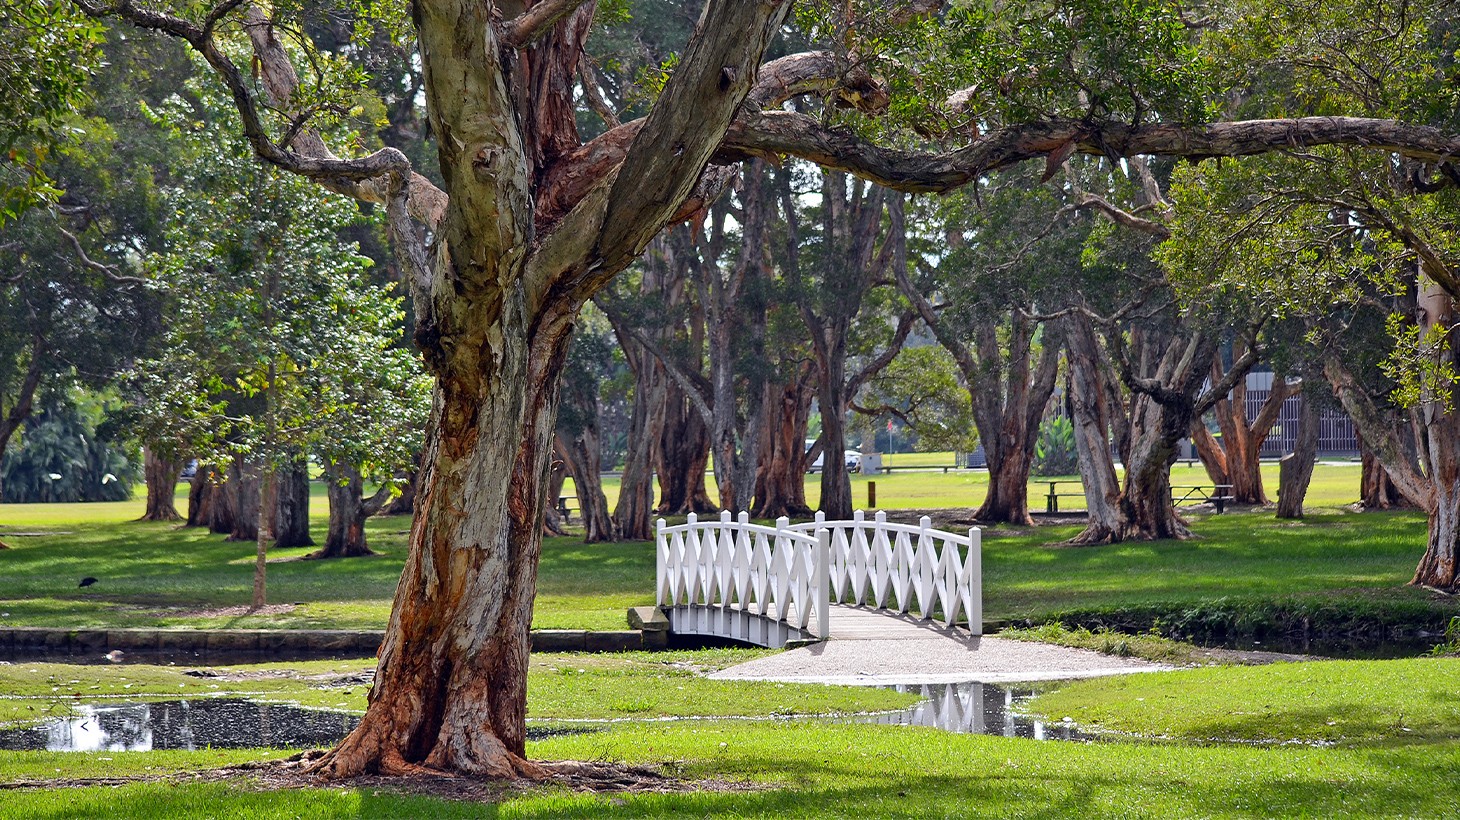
[[822, 595], [925, 523], [691, 518], [744, 517], [783, 523], [820, 517], [975, 580]]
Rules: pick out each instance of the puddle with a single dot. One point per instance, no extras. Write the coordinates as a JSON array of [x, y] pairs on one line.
[[978, 708], [218, 723], [181, 724]]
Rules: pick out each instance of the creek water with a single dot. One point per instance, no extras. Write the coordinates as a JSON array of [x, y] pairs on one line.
[[230, 723]]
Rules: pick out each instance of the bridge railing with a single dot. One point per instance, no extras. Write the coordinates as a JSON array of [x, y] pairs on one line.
[[791, 573], [905, 568], [775, 572]]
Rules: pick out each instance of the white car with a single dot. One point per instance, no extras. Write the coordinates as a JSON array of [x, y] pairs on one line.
[[852, 458]]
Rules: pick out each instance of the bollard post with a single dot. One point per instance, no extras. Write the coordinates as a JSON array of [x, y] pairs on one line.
[[871, 495]]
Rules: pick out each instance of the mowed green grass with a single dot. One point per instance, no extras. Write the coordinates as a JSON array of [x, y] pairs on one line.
[[1335, 484], [1327, 739], [168, 576], [799, 769]]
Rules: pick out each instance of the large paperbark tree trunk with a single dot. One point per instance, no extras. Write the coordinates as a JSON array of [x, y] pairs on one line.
[[161, 475], [683, 457], [582, 455], [633, 514], [780, 483], [290, 515]]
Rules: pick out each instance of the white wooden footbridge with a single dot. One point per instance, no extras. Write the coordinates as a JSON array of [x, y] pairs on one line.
[[765, 585]]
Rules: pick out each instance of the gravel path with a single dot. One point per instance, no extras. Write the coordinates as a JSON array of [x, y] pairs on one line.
[[872, 649]]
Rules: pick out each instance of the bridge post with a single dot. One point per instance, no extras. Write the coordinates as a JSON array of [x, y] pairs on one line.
[[822, 583], [661, 564], [975, 581]]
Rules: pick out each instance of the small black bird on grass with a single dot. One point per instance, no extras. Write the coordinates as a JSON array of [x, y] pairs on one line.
[[87, 581]]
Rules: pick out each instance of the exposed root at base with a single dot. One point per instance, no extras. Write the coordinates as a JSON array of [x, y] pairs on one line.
[[579, 776]]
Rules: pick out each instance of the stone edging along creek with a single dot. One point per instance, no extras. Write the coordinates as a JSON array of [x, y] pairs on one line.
[[360, 643]]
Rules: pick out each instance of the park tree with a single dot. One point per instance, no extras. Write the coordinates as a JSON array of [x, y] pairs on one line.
[[277, 346], [530, 221], [979, 278]]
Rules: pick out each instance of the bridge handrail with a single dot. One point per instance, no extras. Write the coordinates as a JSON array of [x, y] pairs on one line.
[[878, 563], [787, 573], [767, 571]]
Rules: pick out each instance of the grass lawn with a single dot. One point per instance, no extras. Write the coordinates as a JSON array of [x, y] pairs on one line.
[[814, 768], [163, 575]]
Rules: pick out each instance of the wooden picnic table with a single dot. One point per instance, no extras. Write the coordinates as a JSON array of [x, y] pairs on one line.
[[1215, 494]]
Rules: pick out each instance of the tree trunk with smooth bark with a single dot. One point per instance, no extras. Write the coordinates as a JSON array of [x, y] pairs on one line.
[[1377, 491], [634, 513], [161, 475], [1295, 470], [1092, 413]]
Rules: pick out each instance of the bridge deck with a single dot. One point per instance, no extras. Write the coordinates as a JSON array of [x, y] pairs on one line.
[[872, 647]]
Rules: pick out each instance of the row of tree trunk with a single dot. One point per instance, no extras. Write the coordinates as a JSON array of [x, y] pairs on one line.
[[227, 502]]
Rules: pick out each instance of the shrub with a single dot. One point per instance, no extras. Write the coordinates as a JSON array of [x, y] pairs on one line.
[[1054, 453]]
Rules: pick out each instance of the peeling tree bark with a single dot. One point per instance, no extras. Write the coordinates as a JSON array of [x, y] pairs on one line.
[[289, 517], [1235, 459]]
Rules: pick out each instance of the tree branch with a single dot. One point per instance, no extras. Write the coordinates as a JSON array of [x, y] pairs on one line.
[[794, 134], [535, 22]]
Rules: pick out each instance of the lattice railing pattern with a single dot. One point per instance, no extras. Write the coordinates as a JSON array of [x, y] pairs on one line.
[[791, 572], [775, 572], [905, 568]]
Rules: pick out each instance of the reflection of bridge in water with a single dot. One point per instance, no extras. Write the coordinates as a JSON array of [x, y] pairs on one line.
[[976, 708], [775, 585]]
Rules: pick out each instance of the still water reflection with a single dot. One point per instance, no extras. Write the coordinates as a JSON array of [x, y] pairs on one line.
[[182, 724], [978, 708]]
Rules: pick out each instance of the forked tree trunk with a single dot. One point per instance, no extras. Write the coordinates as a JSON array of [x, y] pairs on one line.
[[161, 475], [1439, 418], [1295, 470], [1235, 460], [583, 462], [290, 516], [1156, 430], [1092, 414], [1433, 484], [553, 525], [349, 509]]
